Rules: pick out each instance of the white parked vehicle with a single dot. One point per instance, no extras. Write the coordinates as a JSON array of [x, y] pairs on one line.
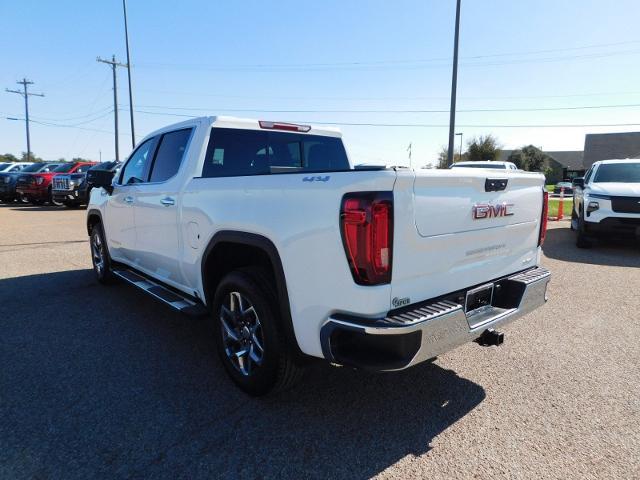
[[606, 202], [13, 167], [293, 253], [487, 164]]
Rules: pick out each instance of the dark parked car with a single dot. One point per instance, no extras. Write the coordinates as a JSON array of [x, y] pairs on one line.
[[568, 188], [38, 187], [74, 189], [8, 181]]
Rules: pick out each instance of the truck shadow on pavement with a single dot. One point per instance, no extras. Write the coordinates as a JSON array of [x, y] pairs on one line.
[[560, 244], [38, 208], [105, 382]]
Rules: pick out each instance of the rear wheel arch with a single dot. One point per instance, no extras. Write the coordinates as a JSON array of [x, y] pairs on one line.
[[230, 250]]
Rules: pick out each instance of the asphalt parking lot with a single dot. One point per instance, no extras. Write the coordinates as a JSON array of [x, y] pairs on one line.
[[104, 382]]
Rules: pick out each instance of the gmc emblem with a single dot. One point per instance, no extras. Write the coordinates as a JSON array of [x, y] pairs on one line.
[[486, 210]]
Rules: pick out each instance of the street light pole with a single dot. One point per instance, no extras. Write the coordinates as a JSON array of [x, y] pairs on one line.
[[126, 37], [25, 93], [460, 157], [454, 85]]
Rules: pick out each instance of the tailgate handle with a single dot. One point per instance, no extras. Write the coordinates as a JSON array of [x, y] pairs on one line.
[[495, 184]]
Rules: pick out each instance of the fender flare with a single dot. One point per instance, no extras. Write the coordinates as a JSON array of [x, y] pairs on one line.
[[93, 212], [263, 243]]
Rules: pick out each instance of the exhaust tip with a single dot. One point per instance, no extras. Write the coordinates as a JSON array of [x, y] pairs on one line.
[[490, 337]]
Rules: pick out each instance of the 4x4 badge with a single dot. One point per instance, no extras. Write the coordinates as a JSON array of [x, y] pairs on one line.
[[316, 179]]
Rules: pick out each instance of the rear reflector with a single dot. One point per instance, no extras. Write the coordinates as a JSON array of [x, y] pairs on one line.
[[545, 218], [366, 223], [289, 127]]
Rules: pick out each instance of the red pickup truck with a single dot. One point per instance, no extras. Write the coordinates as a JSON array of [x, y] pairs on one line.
[[35, 188]]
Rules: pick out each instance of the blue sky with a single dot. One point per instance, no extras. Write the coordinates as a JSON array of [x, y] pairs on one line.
[[319, 61]]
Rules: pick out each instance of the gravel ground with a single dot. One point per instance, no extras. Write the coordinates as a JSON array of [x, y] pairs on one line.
[[104, 382]]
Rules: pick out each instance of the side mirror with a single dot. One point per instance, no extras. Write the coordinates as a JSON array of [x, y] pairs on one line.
[[578, 182], [101, 178]]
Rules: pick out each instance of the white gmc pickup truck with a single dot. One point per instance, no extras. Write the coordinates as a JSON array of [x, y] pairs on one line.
[[292, 252]]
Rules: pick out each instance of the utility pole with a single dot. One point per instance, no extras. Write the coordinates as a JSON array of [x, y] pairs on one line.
[[114, 64], [126, 37], [25, 93], [454, 85], [409, 150]]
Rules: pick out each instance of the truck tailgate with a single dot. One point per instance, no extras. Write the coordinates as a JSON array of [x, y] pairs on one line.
[[452, 233]]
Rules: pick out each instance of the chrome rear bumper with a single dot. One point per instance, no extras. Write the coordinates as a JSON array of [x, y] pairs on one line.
[[422, 331]]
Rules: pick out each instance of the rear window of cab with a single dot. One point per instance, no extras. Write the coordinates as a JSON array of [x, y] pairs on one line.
[[235, 152]]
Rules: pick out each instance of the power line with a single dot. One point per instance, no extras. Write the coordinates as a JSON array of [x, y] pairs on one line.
[[86, 121], [50, 124], [107, 109], [410, 64], [385, 125], [307, 97], [425, 125], [469, 110]]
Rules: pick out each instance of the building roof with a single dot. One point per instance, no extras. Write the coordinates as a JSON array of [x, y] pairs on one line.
[[572, 159], [604, 146]]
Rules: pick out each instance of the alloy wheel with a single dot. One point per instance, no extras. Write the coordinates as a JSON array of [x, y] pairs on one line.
[[97, 252], [242, 334]]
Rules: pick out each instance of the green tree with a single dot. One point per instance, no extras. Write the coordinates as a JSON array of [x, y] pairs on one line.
[[80, 159], [517, 158], [443, 158], [483, 148], [535, 158], [8, 157], [530, 158], [33, 158], [443, 161]]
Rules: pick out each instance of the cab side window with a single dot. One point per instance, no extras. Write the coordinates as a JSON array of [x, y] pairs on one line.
[[137, 168], [171, 150]]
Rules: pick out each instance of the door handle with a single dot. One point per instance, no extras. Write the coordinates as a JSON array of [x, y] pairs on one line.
[[167, 201], [128, 199]]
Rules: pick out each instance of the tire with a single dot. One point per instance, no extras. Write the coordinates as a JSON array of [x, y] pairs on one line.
[[244, 319], [52, 201], [71, 204], [574, 220], [582, 240], [100, 256]]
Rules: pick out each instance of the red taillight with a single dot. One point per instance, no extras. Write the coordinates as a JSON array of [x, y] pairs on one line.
[[544, 219], [289, 127], [366, 222]]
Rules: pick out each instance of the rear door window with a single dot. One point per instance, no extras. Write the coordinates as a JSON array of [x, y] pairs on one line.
[[234, 152], [170, 154], [83, 168]]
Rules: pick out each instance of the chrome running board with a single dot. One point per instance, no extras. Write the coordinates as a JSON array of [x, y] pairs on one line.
[[176, 300]]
